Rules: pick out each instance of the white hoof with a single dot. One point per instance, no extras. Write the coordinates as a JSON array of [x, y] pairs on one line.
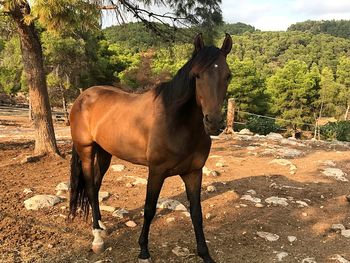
[[97, 244], [148, 260]]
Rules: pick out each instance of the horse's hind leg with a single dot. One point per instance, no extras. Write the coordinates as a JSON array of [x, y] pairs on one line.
[[87, 156], [193, 182], [102, 162], [154, 185]]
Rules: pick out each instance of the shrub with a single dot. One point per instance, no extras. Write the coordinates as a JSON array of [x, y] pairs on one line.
[[261, 125], [336, 131]]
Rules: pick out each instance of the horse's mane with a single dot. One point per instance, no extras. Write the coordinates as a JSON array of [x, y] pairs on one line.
[[181, 88]]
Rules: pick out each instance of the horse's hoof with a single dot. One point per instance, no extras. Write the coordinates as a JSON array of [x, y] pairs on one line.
[[147, 260], [97, 248]]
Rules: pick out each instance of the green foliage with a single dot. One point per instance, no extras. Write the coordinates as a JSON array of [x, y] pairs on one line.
[[290, 91], [338, 28], [336, 130], [261, 125], [247, 86], [235, 28]]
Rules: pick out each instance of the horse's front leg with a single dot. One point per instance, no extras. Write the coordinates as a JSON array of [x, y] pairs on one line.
[[193, 183], [154, 185]]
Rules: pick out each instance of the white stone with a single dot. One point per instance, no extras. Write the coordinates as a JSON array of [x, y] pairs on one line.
[[301, 203], [63, 187], [259, 205], [27, 191], [251, 148], [181, 251], [346, 233], [337, 227], [291, 239], [207, 216], [103, 196], [206, 170], [131, 224], [211, 188], [251, 192], [41, 201], [268, 236], [308, 260], [119, 213], [329, 163], [274, 136], [214, 173], [289, 153], [164, 203], [274, 200], [219, 164], [281, 255], [245, 132], [340, 259], [107, 208], [335, 173], [251, 199], [137, 180], [118, 167]]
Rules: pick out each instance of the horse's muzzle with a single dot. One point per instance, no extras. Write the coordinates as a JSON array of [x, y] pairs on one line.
[[212, 125]]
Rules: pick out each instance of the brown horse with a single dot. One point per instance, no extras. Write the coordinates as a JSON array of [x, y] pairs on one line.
[[166, 128]]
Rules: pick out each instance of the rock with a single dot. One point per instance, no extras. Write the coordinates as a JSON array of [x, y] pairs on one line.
[[63, 187], [211, 188], [220, 164], [345, 233], [119, 213], [187, 214], [348, 198], [301, 203], [131, 224], [206, 170], [214, 173], [107, 208], [41, 201], [128, 185], [304, 214], [251, 192], [268, 236], [274, 200], [340, 259], [27, 191], [137, 180], [281, 255], [259, 205], [335, 173], [251, 199], [329, 163], [283, 162], [291, 239], [118, 167], [170, 204], [337, 227], [245, 132], [251, 148], [292, 141], [170, 219], [208, 216], [274, 136], [289, 153], [103, 196], [180, 251], [308, 260]]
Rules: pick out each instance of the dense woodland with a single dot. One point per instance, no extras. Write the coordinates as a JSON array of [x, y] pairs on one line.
[[296, 75]]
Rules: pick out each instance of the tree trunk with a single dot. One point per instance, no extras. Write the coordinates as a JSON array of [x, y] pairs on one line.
[[230, 116], [347, 113], [32, 58]]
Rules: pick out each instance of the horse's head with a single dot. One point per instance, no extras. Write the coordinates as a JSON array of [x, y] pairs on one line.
[[211, 81]]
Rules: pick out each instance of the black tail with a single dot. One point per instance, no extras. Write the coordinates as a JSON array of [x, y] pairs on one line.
[[78, 197]]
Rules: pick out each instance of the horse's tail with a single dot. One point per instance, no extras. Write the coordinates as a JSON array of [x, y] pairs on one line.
[[78, 197]]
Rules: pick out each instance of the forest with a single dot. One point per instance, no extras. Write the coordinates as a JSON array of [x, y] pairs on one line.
[[296, 76]]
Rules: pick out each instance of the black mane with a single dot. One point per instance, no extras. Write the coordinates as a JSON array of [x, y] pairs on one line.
[[181, 88]]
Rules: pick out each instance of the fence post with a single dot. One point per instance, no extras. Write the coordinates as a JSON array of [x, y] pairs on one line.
[[230, 116]]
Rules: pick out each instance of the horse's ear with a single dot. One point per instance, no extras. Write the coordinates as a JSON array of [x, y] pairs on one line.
[[227, 45], [198, 42]]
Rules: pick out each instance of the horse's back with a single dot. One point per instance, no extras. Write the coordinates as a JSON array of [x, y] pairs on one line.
[[118, 121]]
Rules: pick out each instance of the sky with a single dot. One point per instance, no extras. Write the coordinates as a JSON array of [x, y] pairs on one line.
[[273, 15]]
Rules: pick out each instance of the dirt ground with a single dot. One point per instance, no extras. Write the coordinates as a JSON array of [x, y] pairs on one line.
[[231, 229]]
